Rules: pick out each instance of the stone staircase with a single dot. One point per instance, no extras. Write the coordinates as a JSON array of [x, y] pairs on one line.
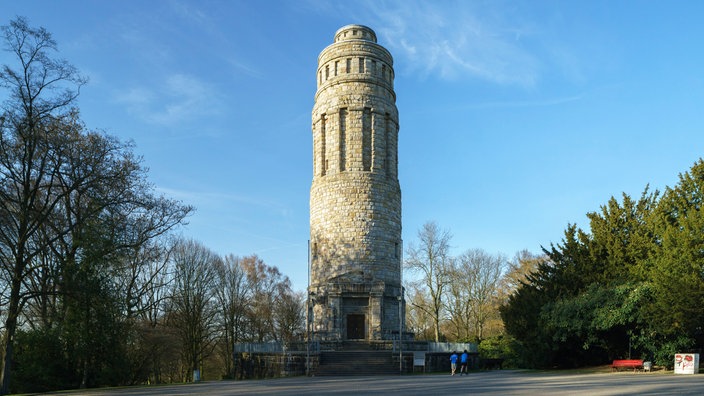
[[357, 362]]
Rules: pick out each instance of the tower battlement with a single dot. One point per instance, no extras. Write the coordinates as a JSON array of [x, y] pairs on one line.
[[355, 56], [355, 32]]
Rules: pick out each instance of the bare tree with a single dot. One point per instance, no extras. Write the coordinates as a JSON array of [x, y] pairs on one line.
[[289, 313], [476, 276], [431, 260], [192, 306], [31, 159], [269, 289], [522, 265], [458, 306], [418, 320], [73, 204], [233, 294], [145, 280]]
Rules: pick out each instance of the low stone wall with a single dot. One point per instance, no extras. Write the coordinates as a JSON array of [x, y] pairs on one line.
[[440, 361], [275, 365], [270, 365]]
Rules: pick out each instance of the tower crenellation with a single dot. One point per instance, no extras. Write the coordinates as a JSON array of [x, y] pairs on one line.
[[355, 199]]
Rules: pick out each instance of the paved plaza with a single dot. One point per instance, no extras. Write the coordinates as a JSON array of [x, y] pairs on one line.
[[500, 382]]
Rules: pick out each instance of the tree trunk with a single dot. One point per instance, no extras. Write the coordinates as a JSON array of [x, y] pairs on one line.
[[9, 338], [436, 319]]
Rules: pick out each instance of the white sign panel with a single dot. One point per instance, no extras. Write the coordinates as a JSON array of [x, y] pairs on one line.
[[686, 363]]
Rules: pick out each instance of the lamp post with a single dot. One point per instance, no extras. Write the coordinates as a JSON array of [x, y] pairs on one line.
[[400, 311], [307, 332], [400, 333], [308, 315]]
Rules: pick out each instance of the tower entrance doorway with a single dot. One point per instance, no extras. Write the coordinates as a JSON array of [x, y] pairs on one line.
[[355, 327]]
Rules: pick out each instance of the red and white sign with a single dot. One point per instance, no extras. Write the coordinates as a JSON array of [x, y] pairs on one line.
[[686, 363]]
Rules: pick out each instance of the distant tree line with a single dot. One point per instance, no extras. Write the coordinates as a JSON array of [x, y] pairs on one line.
[[95, 287], [458, 298]]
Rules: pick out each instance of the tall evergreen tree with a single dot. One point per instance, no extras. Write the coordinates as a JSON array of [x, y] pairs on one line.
[[677, 271]]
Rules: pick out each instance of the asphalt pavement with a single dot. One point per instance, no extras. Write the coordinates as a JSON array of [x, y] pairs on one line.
[[499, 382]]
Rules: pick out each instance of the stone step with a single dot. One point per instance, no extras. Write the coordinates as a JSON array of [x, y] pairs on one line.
[[347, 363]]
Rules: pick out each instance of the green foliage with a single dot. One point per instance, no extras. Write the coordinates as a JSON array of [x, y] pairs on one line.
[[499, 346], [598, 309], [40, 363], [678, 267], [663, 354], [622, 238], [601, 321], [522, 320]]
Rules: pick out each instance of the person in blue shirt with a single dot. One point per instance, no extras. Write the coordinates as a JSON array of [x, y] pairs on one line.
[[453, 362], [464, 359]]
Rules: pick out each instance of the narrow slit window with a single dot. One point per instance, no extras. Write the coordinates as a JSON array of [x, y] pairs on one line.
[[323, 161], [343, 139], [367, 139], [387, 133]]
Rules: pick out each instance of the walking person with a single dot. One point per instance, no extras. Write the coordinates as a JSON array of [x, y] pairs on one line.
[[463, 363], [453, 362]]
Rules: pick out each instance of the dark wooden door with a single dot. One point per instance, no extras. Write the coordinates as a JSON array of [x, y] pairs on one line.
[[355, 327]]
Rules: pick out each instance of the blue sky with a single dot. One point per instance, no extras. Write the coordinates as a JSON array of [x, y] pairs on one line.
[[517, 117]]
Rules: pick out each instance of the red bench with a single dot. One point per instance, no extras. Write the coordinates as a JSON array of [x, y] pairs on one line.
[[629, 363]]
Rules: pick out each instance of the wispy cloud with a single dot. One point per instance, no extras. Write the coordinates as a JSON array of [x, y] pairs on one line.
[[527, 103], [177, 98], [188, 12], [135, 97], [456, 40], [242, 67], [211, 198], [194, 15]]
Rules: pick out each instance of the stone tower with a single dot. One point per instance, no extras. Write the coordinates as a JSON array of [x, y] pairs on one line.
[[355, 200]]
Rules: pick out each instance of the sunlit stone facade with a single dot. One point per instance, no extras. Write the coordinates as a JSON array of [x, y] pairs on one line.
[[355, 200]]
